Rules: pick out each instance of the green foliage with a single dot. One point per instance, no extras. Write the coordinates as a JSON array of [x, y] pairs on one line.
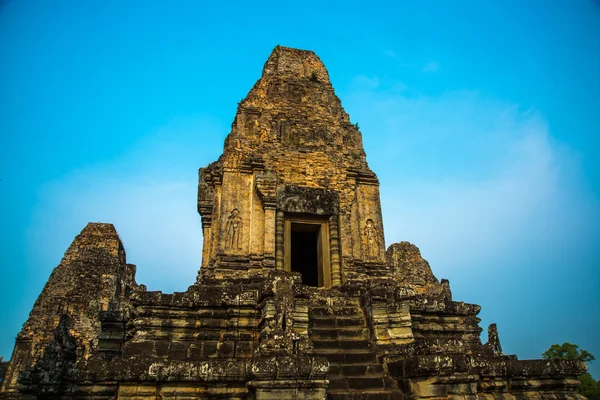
[[567, 351], [589, 387], [356, 126], [314, 77]]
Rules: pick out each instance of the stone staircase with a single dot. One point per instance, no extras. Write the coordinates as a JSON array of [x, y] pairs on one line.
[[340, 333]]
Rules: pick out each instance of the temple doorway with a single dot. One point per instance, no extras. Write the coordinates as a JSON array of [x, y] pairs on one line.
[[307, 250]]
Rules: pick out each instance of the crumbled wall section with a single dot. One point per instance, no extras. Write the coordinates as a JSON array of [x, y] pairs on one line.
[[92, 277], [409, 267]]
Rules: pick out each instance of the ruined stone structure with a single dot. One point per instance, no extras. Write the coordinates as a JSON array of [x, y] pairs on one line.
[[296, 298]]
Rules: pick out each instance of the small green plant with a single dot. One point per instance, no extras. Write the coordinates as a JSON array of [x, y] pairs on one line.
[[314, 77], [589, 387], [356, 126]]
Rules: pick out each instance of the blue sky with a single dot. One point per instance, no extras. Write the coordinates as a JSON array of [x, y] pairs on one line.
[[481, 119]]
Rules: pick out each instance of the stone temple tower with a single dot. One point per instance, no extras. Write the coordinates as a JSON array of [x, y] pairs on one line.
[[293, 190], [296, 298]]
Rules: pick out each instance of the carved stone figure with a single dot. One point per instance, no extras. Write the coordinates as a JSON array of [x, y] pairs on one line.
[[283, 289], [233, 238], [371, 239], [494, 340]]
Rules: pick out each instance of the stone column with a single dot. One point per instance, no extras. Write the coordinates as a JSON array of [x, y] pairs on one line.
[[206, 197], [205, 244], [334, 237], [215, 230], [279, 244], [269, 239]]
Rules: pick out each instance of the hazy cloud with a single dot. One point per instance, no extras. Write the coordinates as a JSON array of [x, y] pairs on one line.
[[430, 66], [494, 202], [460, 168], [149, 195], [392, 54]]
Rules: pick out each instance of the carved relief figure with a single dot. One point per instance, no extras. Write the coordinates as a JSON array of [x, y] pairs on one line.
[[233, 230], [494, 340], [284, 306], [371, 239]]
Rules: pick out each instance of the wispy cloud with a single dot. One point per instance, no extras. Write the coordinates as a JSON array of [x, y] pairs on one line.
[[376, 84], [495, 203], [392, 54], [149, 194], [430, 66], [468, 169]]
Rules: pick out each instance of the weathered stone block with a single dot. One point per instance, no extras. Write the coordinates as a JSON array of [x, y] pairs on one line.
[[428, 388]]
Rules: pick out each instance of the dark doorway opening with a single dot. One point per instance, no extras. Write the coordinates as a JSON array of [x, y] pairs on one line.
[[304, 252]]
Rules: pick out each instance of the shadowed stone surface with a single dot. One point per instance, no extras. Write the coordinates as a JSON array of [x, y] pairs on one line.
[[376, 324]]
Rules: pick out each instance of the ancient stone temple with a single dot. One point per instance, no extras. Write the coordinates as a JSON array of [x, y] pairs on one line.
[[296, 298]]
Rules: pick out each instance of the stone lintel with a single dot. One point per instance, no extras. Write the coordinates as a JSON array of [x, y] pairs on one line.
[[305, 200]]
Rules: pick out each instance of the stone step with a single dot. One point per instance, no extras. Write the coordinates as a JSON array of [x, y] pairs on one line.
[[335, 302], [372, 395], [361, 383], [350, 333], [346, 357], [336, 316], [355, 370], [338, 322], [337, 384], [366, 387], [329, 311], [356, 383], [334, 345]]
